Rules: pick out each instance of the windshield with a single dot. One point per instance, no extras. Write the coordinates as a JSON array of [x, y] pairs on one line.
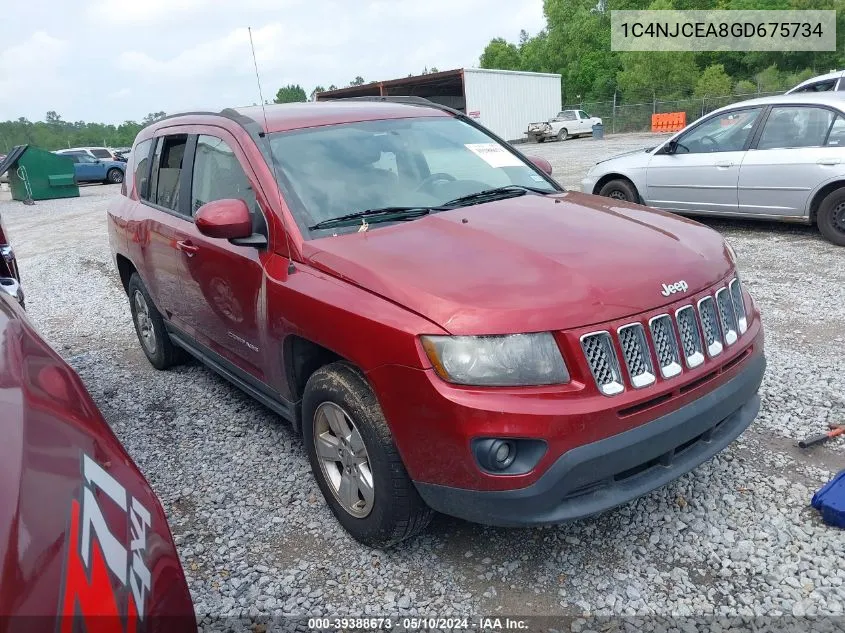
[[336, 170], [101, 153]]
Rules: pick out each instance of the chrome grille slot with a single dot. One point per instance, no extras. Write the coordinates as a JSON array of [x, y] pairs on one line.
[[637, 355], [601, 357], [665, 345], [739, 305], [726, 315], [710, 326], [691, 343]]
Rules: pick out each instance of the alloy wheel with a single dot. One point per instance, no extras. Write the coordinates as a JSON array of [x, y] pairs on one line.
[[144, 323], [838, 218], [343, 459]]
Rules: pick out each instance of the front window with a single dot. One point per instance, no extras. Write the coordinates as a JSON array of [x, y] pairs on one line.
[[583, 114], [101, 153], [726, 132], [336, 170]]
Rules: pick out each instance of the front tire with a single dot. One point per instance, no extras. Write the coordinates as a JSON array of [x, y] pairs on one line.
[[114, 176], [619, 189], [149, 326], [354, 460], [831, 217], [563, 134]]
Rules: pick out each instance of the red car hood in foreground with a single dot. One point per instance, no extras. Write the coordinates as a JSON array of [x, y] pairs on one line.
[[531, 263], [81, 533]]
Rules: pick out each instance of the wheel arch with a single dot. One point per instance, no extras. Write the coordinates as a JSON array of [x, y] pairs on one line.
[[125, 268], [821, 194], [601, 182]]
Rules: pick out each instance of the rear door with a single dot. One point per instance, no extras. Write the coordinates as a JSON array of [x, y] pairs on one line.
[[702, 175], [797, 150], [165, 218]]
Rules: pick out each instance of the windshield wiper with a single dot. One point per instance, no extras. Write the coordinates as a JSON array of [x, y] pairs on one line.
[[382, 214], [498, 193]]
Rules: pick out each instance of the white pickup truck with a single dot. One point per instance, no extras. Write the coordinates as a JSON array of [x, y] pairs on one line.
[[566, 124]]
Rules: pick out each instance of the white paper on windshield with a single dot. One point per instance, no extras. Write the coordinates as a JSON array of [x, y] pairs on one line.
[[494, 154]]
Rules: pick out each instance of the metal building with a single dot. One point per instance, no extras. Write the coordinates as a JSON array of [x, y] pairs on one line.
[[505, 101]]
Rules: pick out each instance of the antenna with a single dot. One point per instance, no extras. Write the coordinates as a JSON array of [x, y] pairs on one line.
[[291, 267]]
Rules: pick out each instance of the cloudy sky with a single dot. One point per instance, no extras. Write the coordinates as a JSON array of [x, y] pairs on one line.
[[109, 61]]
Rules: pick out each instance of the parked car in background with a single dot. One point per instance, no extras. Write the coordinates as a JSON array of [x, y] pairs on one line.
[[446, 327], [94, 152], [88, 169], [121, 153], [4, 177], [84, 541], [567, 124], [831, 82], [775, 158]]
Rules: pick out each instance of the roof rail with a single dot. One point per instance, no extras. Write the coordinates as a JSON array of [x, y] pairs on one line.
[[407, 99]]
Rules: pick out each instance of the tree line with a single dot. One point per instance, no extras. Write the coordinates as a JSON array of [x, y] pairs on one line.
[[576, 44], [55, 133]]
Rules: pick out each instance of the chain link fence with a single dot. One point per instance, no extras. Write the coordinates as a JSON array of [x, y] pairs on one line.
[[636, 117]]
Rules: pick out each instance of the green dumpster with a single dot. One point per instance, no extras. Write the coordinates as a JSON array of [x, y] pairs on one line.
[[36, 174]]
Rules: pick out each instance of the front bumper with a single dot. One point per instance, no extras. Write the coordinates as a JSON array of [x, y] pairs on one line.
[[595, 477]]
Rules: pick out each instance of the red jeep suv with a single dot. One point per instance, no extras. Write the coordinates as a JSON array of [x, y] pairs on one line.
[[446, 326]]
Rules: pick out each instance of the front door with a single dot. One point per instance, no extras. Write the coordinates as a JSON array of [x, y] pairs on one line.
[[88, 169], [223, 283], [702, 174], [798, 150]]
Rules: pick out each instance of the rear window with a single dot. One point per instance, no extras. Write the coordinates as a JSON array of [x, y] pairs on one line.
[[142, 167], [101, 153]]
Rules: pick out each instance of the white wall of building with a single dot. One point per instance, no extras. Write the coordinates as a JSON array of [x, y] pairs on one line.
[[507, 101]]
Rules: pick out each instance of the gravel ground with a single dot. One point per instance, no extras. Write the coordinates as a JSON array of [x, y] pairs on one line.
[[734, 538]]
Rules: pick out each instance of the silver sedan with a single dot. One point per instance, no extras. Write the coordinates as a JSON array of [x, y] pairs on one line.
[[776, 158]]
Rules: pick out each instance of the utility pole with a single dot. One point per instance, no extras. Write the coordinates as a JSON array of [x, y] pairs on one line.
[[613, 118]]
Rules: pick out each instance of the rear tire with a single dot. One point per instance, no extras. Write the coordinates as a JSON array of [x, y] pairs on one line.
[[831, 217], [563, 134], [359, 470], [620, 189], [149, 326]]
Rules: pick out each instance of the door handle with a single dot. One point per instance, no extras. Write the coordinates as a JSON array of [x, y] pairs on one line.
[[187, 247], [828, 161], [724, 163]]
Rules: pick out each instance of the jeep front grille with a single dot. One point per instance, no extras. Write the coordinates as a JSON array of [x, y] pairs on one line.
[[710, 326], [665, 345], [739, 305], [690, 338], [722, 319], [726, 315], [601, 357], [637, 354]]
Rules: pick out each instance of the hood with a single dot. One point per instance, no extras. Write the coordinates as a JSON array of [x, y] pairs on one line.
[[532, 263], [645, 151]]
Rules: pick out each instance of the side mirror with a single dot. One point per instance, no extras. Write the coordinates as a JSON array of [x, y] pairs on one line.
[[670, 148], [11, 287], [542, 164], [226, 219]]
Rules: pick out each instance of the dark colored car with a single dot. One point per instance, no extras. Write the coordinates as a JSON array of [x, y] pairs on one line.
[[84, 542], [88, 169], [10, 277], [447, 328]]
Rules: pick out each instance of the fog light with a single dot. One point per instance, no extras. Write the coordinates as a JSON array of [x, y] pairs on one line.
[[511, 456], [501, 454]]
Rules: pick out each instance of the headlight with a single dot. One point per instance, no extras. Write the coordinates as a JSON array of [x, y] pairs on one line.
[[497, 361]]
